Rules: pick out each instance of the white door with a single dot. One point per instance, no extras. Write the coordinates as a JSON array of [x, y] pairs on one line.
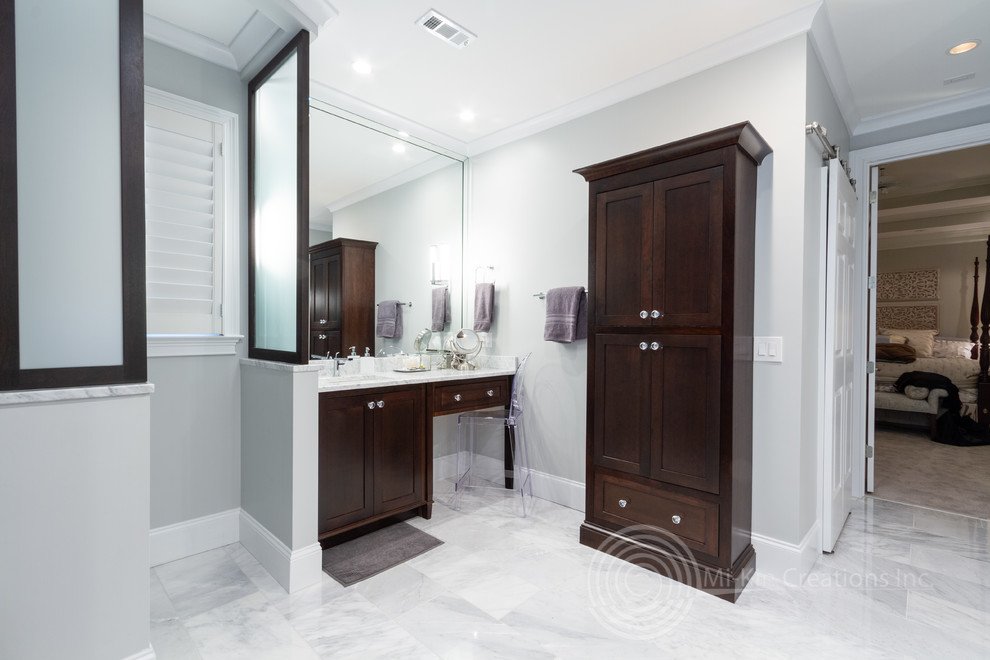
[[840, 374], [872, 311]]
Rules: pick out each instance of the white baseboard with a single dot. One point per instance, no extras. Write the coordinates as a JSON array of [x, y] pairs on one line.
[[146, 654], [559, 490], [789, 562], [293, 569], [191, 537]]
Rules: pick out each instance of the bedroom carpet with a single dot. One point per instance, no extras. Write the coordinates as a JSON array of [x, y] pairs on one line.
[[912, 469]]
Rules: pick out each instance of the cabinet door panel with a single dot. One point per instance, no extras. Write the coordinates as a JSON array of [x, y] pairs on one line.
[[400, 427], [687, 267], [345, 459], [623, 240], [622, 403], [334, 306], [318, 292], [686, 408]]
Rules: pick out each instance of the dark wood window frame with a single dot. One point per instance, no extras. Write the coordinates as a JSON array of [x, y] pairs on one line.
[[134, 368], [299, 45]]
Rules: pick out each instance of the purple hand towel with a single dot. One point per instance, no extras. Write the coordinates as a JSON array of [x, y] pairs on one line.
[[389, 323], [567, 315], [441, 309], [484, 306]]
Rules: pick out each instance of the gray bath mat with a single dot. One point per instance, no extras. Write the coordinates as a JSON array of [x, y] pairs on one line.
[[373, 553]]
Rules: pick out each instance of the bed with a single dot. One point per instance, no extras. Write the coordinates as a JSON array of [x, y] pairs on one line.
[[963, 361]]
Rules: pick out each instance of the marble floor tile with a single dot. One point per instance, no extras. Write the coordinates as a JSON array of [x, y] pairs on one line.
[[904, 582], [202, 582]]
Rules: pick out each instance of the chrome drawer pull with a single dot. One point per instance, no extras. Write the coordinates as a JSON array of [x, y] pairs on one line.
[[491, 392], [676, 520], [371, 405], [622, 504], [644, 314], [457, 397], [381, 404]]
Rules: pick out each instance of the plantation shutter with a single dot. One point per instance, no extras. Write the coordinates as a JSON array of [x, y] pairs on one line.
[[183, 161]]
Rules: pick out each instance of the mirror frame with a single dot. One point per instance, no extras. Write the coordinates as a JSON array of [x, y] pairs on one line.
[[299, 45]]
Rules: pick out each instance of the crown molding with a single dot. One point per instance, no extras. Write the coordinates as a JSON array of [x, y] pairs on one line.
[[924, 111], [189, 42], [294, 15]]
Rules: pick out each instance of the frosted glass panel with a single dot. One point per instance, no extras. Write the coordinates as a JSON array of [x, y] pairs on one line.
[[68, 184], [275, 209]]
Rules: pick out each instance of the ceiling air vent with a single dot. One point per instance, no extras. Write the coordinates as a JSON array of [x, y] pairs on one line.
[[444, 28]]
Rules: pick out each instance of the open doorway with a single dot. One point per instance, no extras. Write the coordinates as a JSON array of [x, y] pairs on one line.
[[933, 223]]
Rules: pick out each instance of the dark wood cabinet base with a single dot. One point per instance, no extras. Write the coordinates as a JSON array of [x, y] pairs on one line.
[[683, 567]]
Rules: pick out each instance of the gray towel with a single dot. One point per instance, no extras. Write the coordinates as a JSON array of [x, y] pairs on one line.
[[567, 315], [441, 308], [484, 306], [389, 320]]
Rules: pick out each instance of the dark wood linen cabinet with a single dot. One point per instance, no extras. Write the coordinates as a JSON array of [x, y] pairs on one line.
[[670, 348], [341, 296]]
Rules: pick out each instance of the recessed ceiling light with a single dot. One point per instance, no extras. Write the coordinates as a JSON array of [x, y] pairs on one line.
[[361, 66], [964, 47], [399, 148], [467, 115]]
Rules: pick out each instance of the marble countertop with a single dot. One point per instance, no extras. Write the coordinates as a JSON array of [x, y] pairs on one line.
[[385, 374]]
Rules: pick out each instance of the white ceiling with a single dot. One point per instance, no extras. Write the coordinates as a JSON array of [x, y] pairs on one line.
[[538, 63]]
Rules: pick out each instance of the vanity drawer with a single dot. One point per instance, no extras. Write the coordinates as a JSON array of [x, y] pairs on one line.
[[470, 395], [627, 503]]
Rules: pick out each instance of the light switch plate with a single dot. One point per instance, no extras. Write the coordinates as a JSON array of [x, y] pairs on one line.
[[768, 349]]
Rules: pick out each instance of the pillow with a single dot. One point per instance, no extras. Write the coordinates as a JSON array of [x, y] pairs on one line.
[[945, 348], [923, 341], [916, 393], [895, 353]]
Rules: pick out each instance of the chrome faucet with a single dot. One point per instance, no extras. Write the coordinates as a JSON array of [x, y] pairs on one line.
[[337, 362]]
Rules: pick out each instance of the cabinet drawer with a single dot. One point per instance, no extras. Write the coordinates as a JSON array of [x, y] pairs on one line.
[[628, 503], [470, 395]]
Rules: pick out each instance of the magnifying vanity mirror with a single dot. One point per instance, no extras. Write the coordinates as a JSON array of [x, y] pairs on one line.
[[464, 345], [371, 183]]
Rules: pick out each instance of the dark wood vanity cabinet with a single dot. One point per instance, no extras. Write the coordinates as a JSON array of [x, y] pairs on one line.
[[341, 296], [372, 456], [672, 234]]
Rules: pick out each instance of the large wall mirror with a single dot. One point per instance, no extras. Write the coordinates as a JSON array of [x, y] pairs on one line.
[[372, 183]]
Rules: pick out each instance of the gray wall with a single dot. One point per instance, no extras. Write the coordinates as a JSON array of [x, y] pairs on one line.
[[955, 264], [195, 412], [529, 217]]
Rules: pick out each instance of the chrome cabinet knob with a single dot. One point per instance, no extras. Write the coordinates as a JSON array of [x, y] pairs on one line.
[[381, 404], [622, 504], [322, 321], [655, 346], [491, 392], [644, 314], [655, 314], [676, 520], [322, 336], [643, 345], [457, 397], [371, 405]]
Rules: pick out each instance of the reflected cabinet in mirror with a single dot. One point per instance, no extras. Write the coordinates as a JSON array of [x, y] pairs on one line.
[[371, 185]]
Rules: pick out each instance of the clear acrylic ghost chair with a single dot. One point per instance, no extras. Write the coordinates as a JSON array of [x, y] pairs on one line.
[[475, 470]]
